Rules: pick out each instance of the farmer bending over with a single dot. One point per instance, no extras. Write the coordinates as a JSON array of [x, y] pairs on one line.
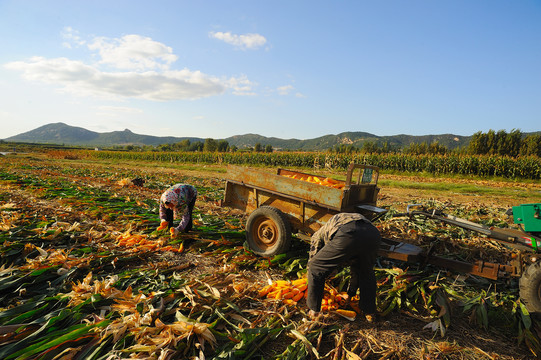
[[175, 202], [346, 239]]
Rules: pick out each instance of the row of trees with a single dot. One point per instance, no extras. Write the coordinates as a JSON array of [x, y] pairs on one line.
[[371, 147], [209, 145], [503, 143], [513, 144]]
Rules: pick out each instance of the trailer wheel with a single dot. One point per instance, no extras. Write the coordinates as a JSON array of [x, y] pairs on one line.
[[530, 288], [268, 232]]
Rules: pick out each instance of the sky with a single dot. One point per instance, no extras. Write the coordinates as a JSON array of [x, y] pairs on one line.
[[282, 68]]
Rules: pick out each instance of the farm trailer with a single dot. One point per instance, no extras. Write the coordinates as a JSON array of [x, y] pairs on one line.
[[284, 203]]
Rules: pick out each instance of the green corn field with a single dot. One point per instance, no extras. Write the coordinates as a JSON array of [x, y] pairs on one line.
[[468, 165]]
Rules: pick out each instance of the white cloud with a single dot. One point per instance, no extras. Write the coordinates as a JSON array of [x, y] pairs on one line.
[[133, 52], [81, 79], [133, 66], [140, 69], [284, 90], [287, 89], [247, 41], [71, 36], [240, 85]]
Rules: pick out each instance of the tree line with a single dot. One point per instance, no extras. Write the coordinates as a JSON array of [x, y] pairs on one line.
[[513, 144], [506, 144], [209, 145]]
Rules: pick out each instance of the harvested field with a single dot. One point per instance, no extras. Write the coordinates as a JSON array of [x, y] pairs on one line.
[[85, 275]]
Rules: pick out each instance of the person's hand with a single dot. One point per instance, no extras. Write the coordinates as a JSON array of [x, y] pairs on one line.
[[174, 232], [163, 225]]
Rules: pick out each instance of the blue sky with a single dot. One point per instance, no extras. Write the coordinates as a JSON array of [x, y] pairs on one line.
[[288, 69]]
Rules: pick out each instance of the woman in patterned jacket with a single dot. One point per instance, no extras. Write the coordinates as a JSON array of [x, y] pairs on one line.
[[177, 202]]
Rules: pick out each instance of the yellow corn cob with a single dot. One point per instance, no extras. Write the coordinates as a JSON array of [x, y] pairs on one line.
[[297, 297], [265, 290], [288, 295], [282, 283], [348, 314]]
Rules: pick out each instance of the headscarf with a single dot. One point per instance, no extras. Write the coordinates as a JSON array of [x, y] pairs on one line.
[[173, 195]]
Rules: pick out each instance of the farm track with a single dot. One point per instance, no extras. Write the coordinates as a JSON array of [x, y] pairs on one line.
[[213, 279]]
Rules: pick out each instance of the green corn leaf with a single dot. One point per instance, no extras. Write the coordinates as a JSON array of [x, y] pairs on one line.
[[305, 342], [70, 334], [21, 309], [525, 316], [93, 349], [48, 327], [390, 308], [482, 315], [29, 315]]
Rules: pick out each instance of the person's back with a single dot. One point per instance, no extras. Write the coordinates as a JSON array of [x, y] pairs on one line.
[[347, 238]]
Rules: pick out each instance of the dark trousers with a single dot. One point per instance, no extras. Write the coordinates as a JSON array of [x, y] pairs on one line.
[[355, 243], [169, 216]]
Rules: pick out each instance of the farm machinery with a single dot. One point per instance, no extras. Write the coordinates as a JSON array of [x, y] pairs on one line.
[[295, 202], [526, 241]]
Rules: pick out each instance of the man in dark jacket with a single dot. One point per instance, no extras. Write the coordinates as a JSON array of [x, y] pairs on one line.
[[346, 239]]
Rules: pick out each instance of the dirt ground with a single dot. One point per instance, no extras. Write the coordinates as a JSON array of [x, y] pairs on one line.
[[400, 335]]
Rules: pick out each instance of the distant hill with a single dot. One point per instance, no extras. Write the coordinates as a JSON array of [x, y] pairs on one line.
[[354, 138], [60, 133], [63, 134]]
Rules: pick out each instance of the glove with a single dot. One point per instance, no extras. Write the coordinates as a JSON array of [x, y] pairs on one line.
[[163, 225], [174, 232]]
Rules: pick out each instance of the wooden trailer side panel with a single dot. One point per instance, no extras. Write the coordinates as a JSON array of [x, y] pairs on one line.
[[307, 205], [303, 217], [282, 185], [362, 191], [360, 194]]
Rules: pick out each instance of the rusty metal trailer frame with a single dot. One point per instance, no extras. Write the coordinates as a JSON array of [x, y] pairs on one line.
[[405, 252], [307, 205]]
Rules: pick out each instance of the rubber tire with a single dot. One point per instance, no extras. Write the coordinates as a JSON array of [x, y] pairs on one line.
[[530, 288], [273, 222]]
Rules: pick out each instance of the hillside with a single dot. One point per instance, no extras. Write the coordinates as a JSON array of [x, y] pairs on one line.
[[60, 133]]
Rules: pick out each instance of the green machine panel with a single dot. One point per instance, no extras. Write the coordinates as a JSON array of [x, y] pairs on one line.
[[529, 215]]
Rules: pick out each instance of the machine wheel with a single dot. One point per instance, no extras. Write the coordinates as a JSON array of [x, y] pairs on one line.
[[530, 288], [268, 232]]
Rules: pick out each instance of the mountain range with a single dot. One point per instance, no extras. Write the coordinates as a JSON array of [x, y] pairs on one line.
[[63, 134]]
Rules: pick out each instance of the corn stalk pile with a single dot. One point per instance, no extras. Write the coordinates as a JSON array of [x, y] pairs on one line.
[[85, 274]]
